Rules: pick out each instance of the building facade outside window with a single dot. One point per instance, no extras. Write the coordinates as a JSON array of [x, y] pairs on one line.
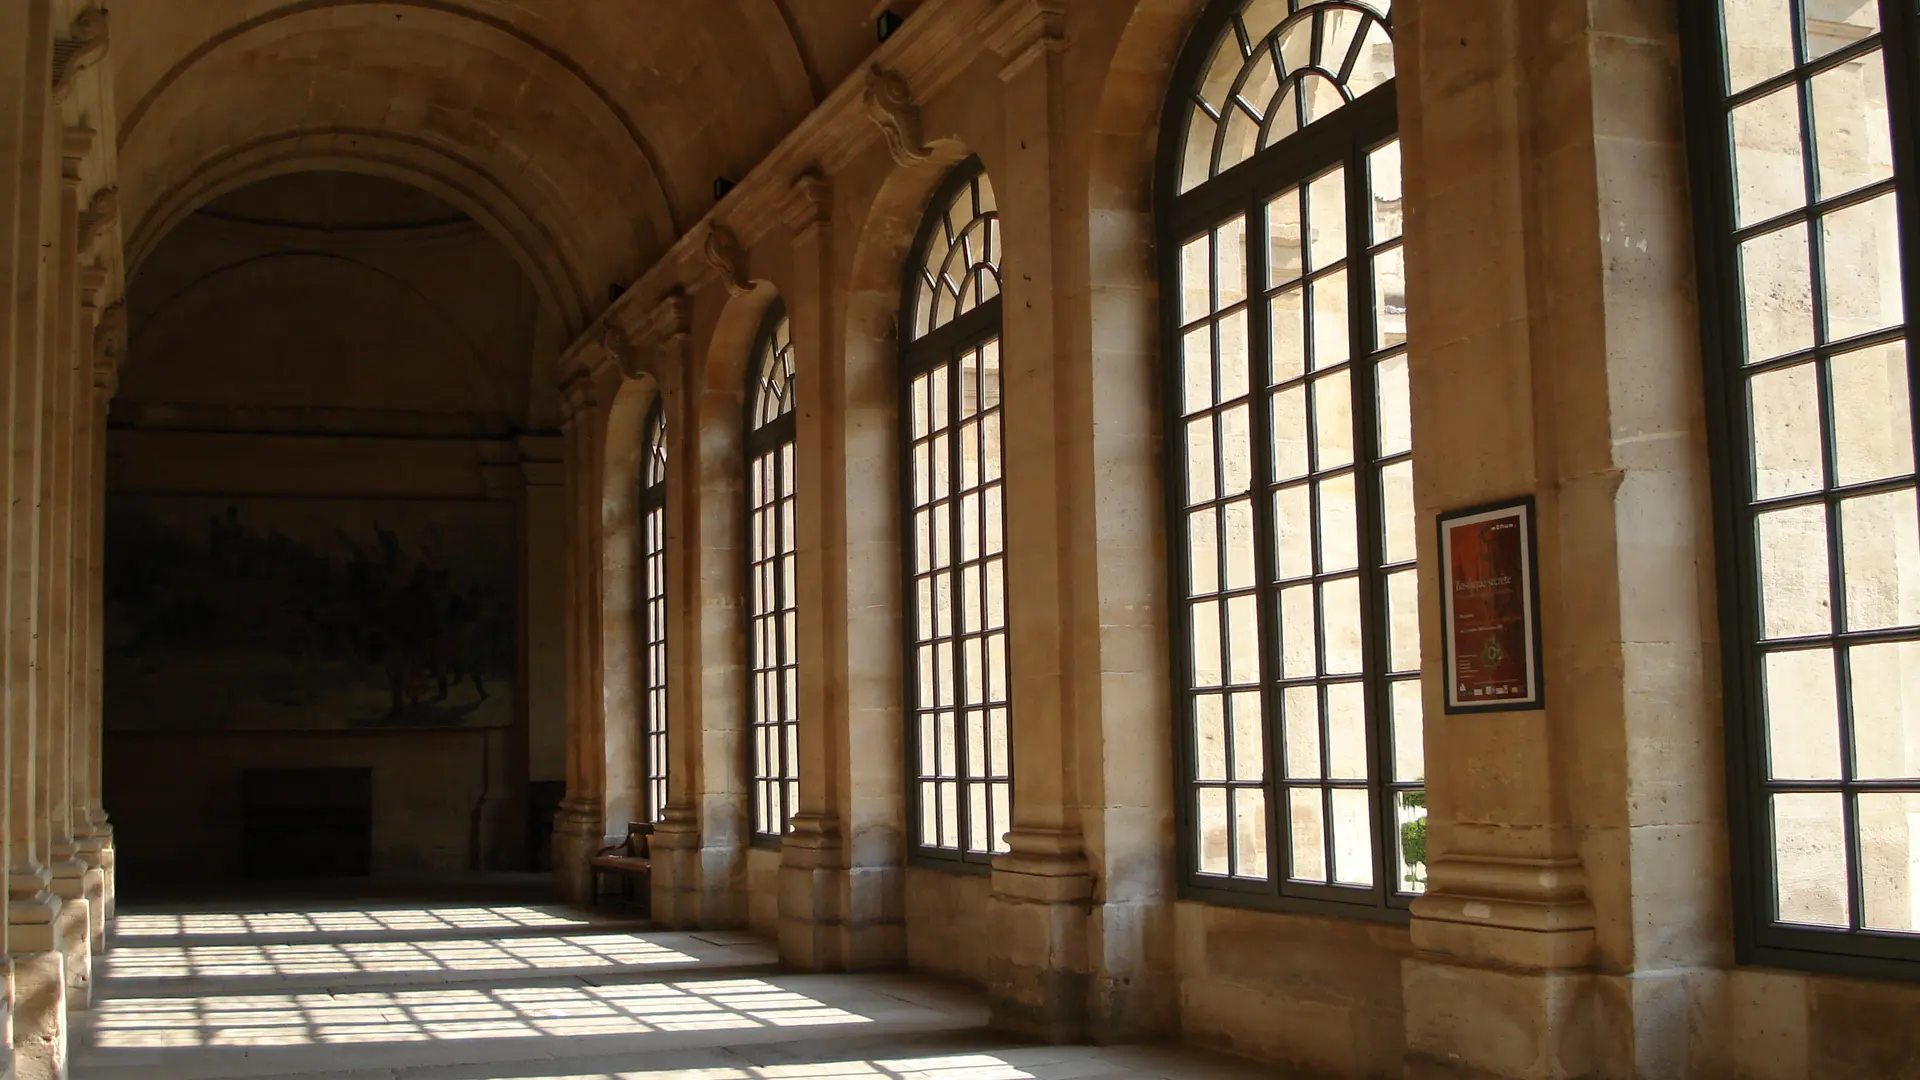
[[1290, 479], [653, 614], [958, 711], [772, 553], [1803, 138]]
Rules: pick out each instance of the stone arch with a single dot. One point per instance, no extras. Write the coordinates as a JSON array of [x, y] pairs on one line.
[[619, 630]]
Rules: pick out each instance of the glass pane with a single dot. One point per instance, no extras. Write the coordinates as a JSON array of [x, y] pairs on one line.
[[1196, 163], [1209, 738], [1410, 814], [1794, 595], [1307, 830], [1293, 532], [1810, 862], [1383, 172], [1285, 260], [1889, 838], [1289, 332], [1236, 438], [1862, 284], [1396, 410], [1339, 525], [1347, 732], [1327, 218], [1836, 24], [1299, 652], [1759, 35], [1852, 141], [1880, 548], [1213, 831], [1240, 544], [1196, 367], [1250, 833], [1389, 299], [1885, 696], [1784, 406], [1249, 739], [1409, 746], [1767, 165], [1243, 665], [1352, 837], [1289, 425], [1777, 293], [1302, 732], [1234, 356], [1340, 608], [1206, 644], [1230, 266], [1396, 493], [1332, 421], [1803, 720], [1403, 621], [1872, 414], [1330, 331], [1196, 279], [1201, 481]]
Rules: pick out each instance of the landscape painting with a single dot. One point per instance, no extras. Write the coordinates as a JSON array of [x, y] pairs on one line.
[[288, 614]]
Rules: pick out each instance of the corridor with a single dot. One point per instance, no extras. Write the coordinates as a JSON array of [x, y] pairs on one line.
[[392, 991]]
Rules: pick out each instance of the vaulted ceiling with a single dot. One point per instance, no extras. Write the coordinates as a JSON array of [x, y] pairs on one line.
[[586, 134]]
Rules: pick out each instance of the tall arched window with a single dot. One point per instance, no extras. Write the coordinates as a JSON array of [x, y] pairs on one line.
[[958, 740], [653, 612], [1803, 120], [772, 552], [1297, 657]]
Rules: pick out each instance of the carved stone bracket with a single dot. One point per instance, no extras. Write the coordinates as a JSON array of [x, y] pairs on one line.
[[1023, 30], [810, 203], [890, 104], [84, 45], [723, 251], [579, 395], [101, 212], [109, 342]]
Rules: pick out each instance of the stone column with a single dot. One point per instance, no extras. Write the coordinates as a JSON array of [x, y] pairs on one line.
[[96, 849], [580, 827], [1038, 966], [1578, 850], [16, 61], [39, 981], [55, 603]]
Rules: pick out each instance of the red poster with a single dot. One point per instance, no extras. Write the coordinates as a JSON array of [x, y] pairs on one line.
[[1491, 660]]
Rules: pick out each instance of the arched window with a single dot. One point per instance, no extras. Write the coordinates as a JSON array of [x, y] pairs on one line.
[[1297, 657], [1803, 122], [772, 552], [653, 612], [958, 740]]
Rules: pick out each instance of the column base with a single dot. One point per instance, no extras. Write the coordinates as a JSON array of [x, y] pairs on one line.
[[1038, 973], [578, 834], [93, 887], [834, 915], [73, 930], [675, 904], [39, 1016]]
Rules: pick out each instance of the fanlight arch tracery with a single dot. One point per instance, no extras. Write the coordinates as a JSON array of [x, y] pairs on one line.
[[958, 259]]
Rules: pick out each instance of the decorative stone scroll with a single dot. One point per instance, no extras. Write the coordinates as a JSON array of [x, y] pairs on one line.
[[890, 104], [85, 43], [723, 251]]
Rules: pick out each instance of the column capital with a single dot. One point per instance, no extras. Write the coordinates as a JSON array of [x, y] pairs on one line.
[[890, 104], [1021, 31]]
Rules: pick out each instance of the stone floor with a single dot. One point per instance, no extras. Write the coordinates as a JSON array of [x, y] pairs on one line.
[[525, 991]]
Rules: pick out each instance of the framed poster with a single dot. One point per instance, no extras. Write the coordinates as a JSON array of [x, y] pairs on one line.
[[1490, 608]]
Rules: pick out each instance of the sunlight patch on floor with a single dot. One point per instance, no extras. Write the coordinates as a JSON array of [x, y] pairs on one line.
[[388, 957], [427, 1015], [221, 924], [949, 1067]]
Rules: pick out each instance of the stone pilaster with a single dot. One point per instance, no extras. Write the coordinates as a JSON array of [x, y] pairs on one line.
[[580, 827], [1038, 970]]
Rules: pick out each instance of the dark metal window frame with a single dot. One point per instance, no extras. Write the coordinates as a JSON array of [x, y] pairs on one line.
[[946, 344], [652, 504], [765, 441], [1344, 139], [1758, 938]]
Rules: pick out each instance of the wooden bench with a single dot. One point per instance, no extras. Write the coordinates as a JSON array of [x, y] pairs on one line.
[[630, 864]]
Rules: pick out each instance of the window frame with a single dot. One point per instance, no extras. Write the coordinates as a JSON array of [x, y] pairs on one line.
[[946, 344], [654, 708], [1758, 938], [761, 440], [1344, 139]]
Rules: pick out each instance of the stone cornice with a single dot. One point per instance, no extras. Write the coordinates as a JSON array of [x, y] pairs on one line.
[[1021, 31], [809, 204], [930, 50]]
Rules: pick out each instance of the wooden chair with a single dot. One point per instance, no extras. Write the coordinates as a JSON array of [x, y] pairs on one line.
[[630, 863]]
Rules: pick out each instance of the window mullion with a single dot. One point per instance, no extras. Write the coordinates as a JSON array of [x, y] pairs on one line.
[[1266, 559]]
